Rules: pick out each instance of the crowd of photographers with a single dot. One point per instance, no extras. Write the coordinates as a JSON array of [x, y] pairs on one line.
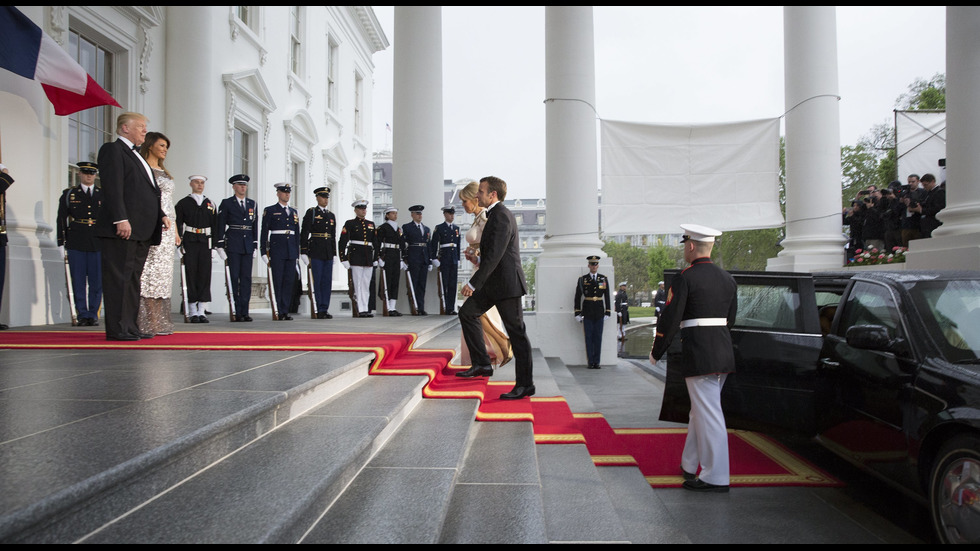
[[887, 218]]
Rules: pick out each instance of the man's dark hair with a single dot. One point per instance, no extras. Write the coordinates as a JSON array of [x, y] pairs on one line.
[[496, 184], [927, 178]]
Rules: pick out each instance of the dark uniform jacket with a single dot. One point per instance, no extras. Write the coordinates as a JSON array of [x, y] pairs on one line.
[[318, 235], [238, 231], [416, 244], [702, 290], [934, 201], [283, 246], [390, 245], [77, 213], [196, 223], [592, 296], [445, 234], [623, 306], [5, 181], [352, 247]]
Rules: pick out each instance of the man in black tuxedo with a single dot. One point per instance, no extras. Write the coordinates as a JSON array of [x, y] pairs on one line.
[[499, 282], [131, 220]]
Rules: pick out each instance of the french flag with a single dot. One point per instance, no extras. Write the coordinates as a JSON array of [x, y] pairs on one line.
[[27, 51]]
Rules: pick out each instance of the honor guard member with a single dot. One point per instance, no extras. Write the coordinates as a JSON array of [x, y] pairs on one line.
[[701, 305], [622, 305], [5, 181], [356, 249], [417, 257], [592, 309], [318, 247], [197, 222], [279, 244], [444, 251], [77, 213], [237, 241], [391, 247]]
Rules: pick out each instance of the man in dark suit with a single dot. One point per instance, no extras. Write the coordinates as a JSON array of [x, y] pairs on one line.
[[131, 220], [499, 282], [78, 211], [701, 305], [5, 181], [237, 239]]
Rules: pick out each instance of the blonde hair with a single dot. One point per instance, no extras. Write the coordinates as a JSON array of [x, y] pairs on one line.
[[128, 117], [468, 193]]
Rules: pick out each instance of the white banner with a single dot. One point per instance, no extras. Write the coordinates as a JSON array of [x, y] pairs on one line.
[[658, 176], [920, 141]]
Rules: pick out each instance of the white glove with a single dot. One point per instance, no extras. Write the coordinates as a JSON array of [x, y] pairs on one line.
[[61, 251], [305, 258], [180, 250], [375, 263], [435, 262], [265, 259], [619, 314], [605, 317], [255, 253], [346, 264], [430, 267], [381, 263], [222, 254], [404, 266], [579, 318]]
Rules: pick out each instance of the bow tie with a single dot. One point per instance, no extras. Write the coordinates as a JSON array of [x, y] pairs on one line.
[[136, 148]]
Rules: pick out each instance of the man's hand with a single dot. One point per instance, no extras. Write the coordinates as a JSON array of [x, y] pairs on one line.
[[166, 223], [123, 229], [467, 290]]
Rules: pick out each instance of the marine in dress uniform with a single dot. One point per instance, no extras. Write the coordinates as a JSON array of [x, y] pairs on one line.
[[78, 210], [701, 305], [318, 247], [197, 223], [416, 256], [279, 243], [5, 181], [237, 240], [356, 249], [622, 309], [592, 309], [444, 251], [391, 247]]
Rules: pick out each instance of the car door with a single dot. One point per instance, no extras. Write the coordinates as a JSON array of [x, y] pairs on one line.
[[777, 341]]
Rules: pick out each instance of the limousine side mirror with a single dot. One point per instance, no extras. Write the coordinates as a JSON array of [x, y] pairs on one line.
[[875, 337]]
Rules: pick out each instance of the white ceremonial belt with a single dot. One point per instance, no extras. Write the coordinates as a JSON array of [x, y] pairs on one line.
[[365, 243], [703, 322], [205, 231], [281, 232], [388, 245], [444, 245]]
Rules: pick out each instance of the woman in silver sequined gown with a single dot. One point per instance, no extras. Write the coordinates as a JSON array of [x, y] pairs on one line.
[[158, 272]]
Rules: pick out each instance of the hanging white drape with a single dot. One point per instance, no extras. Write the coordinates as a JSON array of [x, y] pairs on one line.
[[658, 176]]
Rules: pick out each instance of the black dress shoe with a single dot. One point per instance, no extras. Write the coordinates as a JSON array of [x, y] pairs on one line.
[[246, 318], [698, 485], [122, 338], [593, 366], [202, 319], [518, 393], [423, 313], [194, 319], [4, 327], [365, 315], [394, 313], [476, 371], [687, 475], [147, 335], [285, 317]]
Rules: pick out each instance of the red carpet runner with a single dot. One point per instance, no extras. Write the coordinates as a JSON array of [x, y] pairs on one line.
[[755, 459]]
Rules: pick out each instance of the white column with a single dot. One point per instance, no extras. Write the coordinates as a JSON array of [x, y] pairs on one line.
[[572, 215], [956, 244], [417, 148], [814, 239]]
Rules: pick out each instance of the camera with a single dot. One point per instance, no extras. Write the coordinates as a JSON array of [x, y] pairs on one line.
[[942, 163]]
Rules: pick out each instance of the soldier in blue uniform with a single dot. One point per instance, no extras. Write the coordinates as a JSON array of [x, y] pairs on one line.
[[237, 240], [78, 210], [417, 257], [390, 247], [280, 247], [592, 309], [318, 247], [197, 221], [356, 250], [444, 251]]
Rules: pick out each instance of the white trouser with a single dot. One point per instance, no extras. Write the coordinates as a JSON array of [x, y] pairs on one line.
[[707, 438], [362, 286]]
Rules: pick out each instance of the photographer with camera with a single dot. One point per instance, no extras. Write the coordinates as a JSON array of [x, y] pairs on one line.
[[930, 205], [910, 197], [892, 212], [874, 223], [854, 218]]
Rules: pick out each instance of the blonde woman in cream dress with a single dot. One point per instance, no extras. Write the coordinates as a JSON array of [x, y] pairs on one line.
[[498, 343]]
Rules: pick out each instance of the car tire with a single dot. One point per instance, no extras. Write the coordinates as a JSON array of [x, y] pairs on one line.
[[954, 491]]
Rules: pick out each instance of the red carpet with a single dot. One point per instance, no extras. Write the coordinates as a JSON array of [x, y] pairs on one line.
[[755, 459]]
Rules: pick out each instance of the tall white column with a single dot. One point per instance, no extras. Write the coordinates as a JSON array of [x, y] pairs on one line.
[[814, 239], [417, 171], [572, 215], [956, 244]]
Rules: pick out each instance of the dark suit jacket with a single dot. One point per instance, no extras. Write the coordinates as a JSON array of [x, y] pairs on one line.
[[500, 274], [238, 228], [128, 194]]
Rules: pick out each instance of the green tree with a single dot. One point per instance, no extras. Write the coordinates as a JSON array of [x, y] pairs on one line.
[[747, 249], [630, 265], [530, 267], [924, 94], [661, 257]]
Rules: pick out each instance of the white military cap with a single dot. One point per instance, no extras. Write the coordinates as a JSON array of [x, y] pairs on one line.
[[697, 232], [197, 177], [390, 209], [359, 203]]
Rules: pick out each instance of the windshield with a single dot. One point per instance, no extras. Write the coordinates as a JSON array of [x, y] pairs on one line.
[[951, 312]]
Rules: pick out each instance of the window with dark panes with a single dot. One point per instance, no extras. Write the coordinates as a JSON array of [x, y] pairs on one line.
[[89, 128], [870, 304], [769, 306]]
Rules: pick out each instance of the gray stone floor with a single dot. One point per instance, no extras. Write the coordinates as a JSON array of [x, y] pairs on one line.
[[53, 402]]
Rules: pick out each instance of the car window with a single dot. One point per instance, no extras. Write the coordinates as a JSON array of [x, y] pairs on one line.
[[951, 312], [769, 307], [870, 304]]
